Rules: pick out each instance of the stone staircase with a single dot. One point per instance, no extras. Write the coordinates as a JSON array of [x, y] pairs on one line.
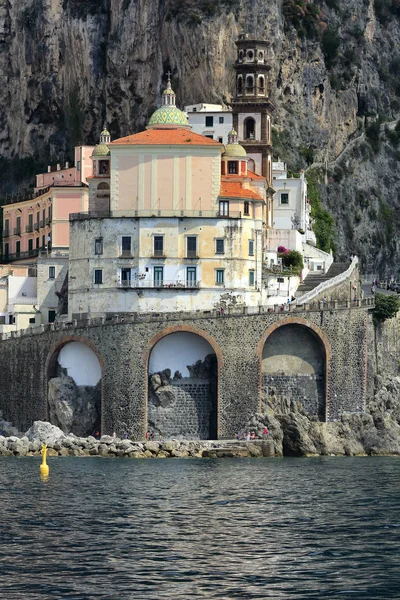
[[314, 279]]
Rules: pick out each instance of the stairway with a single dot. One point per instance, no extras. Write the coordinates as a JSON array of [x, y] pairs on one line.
[[313, 279]]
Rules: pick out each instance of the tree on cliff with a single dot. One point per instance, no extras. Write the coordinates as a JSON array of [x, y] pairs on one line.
[[386, 307]]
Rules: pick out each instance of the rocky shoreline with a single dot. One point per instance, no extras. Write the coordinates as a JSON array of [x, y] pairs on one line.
[[292, 432]]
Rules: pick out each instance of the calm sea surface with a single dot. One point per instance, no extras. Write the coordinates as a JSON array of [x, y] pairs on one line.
[[181, 529]]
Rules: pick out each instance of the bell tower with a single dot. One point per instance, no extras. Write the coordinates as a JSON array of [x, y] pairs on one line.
[[251, 107]]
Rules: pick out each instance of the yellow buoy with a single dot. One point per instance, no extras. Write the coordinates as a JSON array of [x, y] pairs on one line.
[[44, 467]]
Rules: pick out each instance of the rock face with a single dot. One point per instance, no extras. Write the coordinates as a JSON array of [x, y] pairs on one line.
[[74, 408], [45, 433], [295, 433], [333, 70]]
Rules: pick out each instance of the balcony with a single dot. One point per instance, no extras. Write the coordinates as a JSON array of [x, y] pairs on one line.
[[126, 254], [134, 214], [37, 226], [159, 284], [48, 221], [20, 255], [158, 253], [29, 228], [42, 223], [17, 230], [191, 254], [6, 233]]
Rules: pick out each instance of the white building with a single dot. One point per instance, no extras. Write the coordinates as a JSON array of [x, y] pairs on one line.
[[212, 120]]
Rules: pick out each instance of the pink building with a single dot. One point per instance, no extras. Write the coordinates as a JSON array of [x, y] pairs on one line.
[[41, 221]]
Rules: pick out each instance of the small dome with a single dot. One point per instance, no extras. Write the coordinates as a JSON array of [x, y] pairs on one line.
[[101, 150], [168, 115], [233, 150], [169, 91], [105, 132]]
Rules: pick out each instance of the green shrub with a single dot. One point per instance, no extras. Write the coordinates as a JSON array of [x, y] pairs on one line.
[[323, 220], [386, 307], [292, 259], [307, 153], [373, 134], [330, 45], [303, 16]]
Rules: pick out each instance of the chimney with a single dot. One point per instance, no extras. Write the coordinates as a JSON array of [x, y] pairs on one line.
[[67, 165], [58, 167]]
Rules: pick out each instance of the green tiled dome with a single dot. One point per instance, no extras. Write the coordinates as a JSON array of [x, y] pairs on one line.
[[105, 132], [234, 150], [168, 115], [101, 150]]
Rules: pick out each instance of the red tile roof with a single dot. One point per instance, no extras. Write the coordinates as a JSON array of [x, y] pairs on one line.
[[253, 175], [166, 137], [234, 189]]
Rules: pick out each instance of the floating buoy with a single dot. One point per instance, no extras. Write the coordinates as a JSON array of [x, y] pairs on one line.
[[44, 467]]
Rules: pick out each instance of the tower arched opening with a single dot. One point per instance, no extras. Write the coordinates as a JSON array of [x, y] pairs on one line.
[[249, 128], [294, 371], [74, 378], [182, 397]]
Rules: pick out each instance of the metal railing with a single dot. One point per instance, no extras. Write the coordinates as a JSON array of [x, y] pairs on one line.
[[29, 228], [42, 223], [109, 214], [6, 233], [164, 284], [17, 230], [191, 254], [158, 253]]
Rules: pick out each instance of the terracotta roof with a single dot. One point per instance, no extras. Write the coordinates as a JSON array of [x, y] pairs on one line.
[[234, 189], [253, 175], [167, 137]]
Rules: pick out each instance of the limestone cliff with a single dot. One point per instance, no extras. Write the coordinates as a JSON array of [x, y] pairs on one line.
[[68, 66]]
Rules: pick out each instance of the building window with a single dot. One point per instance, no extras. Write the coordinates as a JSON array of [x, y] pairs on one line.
[[30, 245], [17, 248], [37, 243], [221, 119], [285, 198], [158, 276], [52, 272], [43, 241], [211, 137], [30, 223], [251, 277], [6, 249], [126, 277], [191, 247], [191, 276], [251, 247], [240, 85], [158, 245], [78, 165], [249, 128], [126, 245], [209, 121], [246, 208], [221, 140], [232, 167], [37, 226], [32, 320], [98, 276], [220, 276], [98, 246], [52, 316], [224, 208], [220, 246]]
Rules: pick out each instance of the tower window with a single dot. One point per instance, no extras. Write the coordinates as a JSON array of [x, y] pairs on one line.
[[250, 84], [249, 128], [250, 54], [246, 208], [221, 119], [209, 121], [261, 83], [232, 167], [240, 85]]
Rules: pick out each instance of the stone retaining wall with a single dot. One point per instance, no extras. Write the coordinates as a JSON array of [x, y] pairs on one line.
[[123, 350], [307, 389]]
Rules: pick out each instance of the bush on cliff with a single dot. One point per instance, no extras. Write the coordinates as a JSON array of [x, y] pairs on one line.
[[386, 307], [293, 259]]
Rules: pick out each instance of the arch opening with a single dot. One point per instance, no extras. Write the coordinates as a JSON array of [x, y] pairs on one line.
[[182, 393], [249, 126], [294, 371], [74, 380]]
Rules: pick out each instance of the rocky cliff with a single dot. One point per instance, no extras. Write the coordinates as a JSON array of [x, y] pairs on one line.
[[68, 66]]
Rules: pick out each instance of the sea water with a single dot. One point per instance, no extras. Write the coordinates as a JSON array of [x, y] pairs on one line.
[[189, 529]]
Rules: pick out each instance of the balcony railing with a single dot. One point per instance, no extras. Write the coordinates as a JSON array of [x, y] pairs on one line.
[[6, 233], [48, 221], [109, 214], [20, 255], [17, 230], [126, 253], [37, 226], [191, 254], [41, 223], [164, 284], [29, 228], [158, 253]]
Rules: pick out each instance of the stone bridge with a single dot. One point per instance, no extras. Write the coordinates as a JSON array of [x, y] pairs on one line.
[[315, 354]]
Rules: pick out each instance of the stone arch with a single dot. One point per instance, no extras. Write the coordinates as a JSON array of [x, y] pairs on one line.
[[170, 331], [249, 128], [251, 165], [319, 338], [51, 372]]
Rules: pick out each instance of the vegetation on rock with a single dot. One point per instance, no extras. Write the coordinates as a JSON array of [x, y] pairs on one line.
[[323, 220], [386, 307]]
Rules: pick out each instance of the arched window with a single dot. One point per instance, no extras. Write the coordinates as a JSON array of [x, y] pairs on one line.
[[261, 84], [103, 189], [249, 129], [251, 165], [240, 85], [250, 84]]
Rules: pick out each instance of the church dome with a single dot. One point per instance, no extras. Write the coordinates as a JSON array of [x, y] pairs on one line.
[[168, 115], [233, 148], [101, 150]]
